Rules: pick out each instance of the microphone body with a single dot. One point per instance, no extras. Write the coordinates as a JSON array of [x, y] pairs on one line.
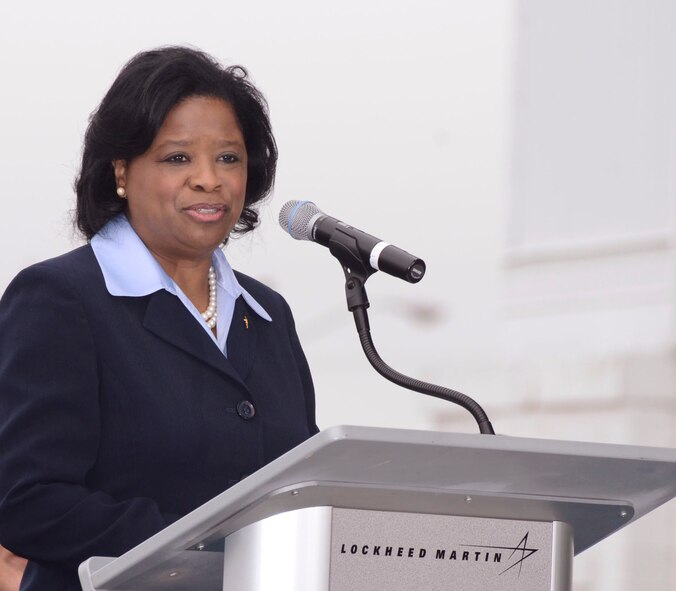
[[352, 247]]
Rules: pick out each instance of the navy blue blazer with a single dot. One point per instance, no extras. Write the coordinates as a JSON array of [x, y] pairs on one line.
[[119, 414]]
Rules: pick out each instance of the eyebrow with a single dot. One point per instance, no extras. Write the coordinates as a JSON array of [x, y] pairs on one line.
[[186, 143]]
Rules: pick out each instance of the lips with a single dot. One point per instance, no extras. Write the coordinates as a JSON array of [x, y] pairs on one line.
[[206, 212]]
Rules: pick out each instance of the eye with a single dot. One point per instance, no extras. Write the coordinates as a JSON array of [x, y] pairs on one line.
[[229, 158], [176, 158]]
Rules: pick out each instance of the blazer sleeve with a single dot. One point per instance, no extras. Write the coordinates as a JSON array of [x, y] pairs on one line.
[[49, 426], [304, 369]]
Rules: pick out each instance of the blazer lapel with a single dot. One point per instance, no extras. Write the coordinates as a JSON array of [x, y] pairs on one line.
[[167, 318], [241, 343]]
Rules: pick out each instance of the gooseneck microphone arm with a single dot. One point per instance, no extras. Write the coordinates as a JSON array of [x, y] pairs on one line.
[[357, 303], [361, 255]]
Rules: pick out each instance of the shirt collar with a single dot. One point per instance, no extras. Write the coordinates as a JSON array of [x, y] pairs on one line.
[[129, 269]]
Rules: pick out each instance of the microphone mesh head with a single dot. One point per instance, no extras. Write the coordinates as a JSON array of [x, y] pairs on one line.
[[298, 217]]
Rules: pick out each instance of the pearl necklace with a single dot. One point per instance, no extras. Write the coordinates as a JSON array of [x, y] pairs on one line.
[[210, 314]]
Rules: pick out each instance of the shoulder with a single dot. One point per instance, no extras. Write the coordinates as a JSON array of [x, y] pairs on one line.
[[78, 261], [75, 271], [273, 302], [258, 290], [51, 300]]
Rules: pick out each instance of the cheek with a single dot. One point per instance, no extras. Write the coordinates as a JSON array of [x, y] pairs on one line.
[[235, 186], [151, 194], [242, 185]]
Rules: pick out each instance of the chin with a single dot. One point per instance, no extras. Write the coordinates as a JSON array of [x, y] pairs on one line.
[[209, 241]]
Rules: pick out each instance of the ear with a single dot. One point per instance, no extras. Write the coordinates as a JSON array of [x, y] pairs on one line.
[[120, 168]]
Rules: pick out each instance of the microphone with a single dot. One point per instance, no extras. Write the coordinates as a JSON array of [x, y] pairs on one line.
[[352, 247]]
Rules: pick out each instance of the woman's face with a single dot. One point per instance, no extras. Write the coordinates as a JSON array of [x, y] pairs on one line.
[[186, 192]]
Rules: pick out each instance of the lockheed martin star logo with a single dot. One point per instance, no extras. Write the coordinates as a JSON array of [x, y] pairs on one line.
[[520, 552]]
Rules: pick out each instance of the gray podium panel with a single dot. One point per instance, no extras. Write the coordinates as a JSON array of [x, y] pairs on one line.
[[332, 549], [594, 488]]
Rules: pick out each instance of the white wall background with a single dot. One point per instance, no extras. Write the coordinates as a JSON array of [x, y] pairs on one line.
[[524, 148]]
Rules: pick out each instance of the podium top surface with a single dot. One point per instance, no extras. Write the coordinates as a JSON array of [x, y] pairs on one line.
[[597, 488]]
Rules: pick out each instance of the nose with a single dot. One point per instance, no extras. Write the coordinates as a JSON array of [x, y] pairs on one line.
[[203, 177]]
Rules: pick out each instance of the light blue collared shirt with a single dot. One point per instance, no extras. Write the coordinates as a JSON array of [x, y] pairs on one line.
[[129, 269]]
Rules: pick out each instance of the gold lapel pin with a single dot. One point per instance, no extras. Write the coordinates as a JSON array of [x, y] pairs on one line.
[[246, 322]]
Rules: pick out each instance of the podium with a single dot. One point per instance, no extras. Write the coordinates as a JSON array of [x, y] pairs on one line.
[[358, 508]]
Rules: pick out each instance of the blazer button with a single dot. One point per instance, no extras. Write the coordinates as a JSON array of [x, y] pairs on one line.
[[246, 410]]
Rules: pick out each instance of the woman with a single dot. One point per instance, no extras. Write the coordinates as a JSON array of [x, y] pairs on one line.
[[139, 375], [11, 570]]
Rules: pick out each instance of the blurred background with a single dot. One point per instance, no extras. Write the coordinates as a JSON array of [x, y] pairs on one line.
[[526, 149]]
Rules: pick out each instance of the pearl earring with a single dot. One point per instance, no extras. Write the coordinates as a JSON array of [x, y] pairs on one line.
[[121, 192]]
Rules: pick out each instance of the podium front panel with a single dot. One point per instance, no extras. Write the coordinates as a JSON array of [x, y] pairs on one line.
[[333, 549]]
